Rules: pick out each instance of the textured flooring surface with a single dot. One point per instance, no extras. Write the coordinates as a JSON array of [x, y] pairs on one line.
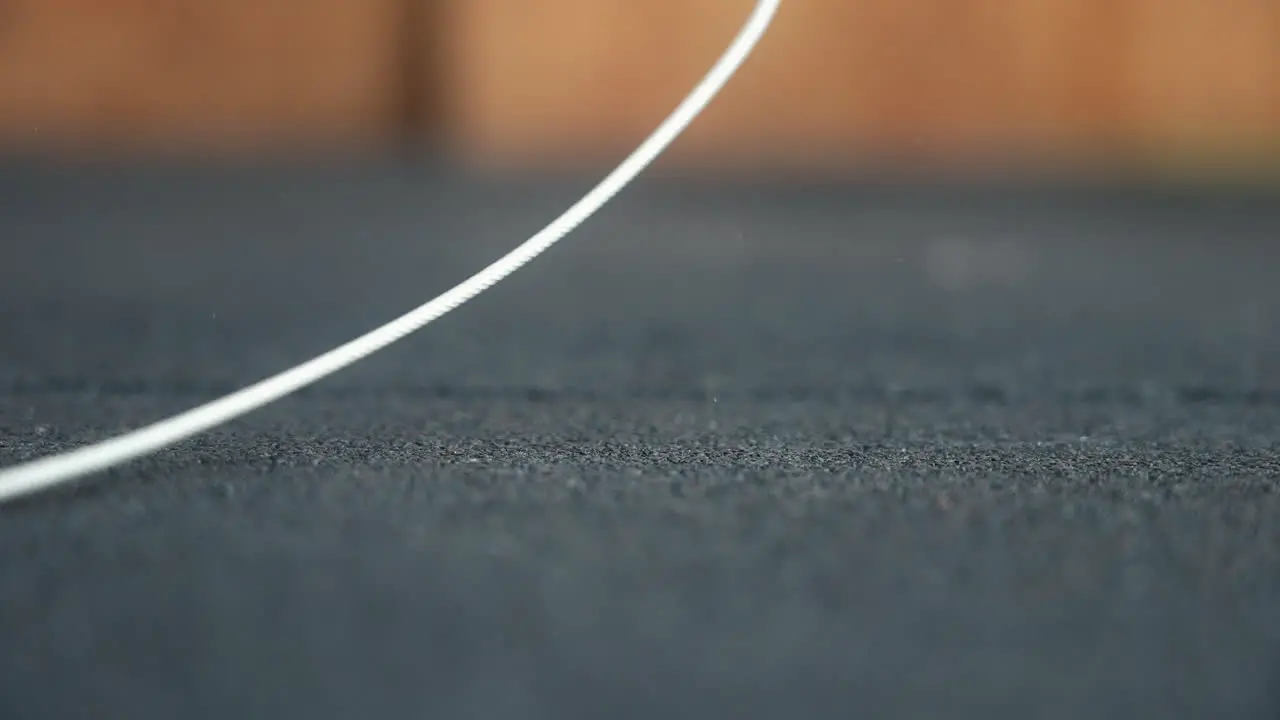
[[738, 452]]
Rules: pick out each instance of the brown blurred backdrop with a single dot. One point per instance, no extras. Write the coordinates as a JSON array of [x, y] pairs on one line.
[[838, 83]]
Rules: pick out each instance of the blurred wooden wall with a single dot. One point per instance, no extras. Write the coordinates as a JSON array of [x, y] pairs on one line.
[[836, 82], [210, 75], [841, 81]]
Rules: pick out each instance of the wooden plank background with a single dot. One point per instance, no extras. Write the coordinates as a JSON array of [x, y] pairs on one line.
[[847, 81], [164, 75], [837, 82]]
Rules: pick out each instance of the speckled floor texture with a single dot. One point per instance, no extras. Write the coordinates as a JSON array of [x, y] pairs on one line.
[[731, 451]]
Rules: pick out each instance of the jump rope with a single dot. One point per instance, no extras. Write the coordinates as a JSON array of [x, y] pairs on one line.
[[51, 471]]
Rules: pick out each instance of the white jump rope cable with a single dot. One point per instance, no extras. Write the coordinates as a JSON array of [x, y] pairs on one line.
[[54, 470]]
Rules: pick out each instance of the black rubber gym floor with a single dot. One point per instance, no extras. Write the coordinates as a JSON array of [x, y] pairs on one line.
[[807, 452]]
